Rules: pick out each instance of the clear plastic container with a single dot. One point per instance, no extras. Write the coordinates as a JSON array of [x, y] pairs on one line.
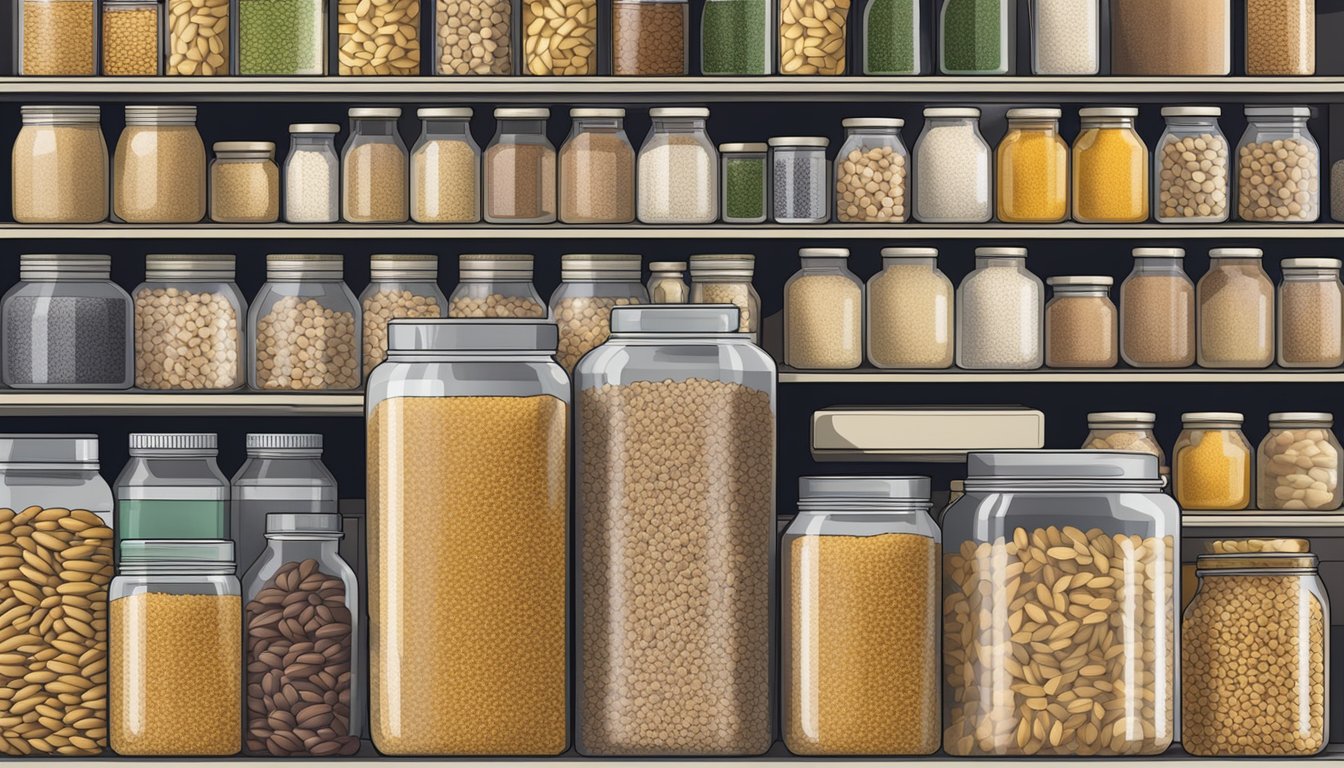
[[284, 38], [559, 39], [910, 311], [1159, 37], [736, 37], [171, 488], [823, 312], [812, 37], [976, 37], [1280, 37], [158, 169], [130, 43], [725, 278], [1032, 163], [520, 169], [392, 29], [1110, 168], [667, 282], [678, 169], [373, 178], [495, 285], [597, 169], [1212, 462], [892, 38], [745, 191], [872, 171], [799, 180], [1278, 167], [999, 313], [400, 285], [952, 181], [671, 377], [313, 174], [60, 170], [197, 37], [1191, 170], [1310, 314], [1297, 465], [283, 473], [650, 37], [244, 183], [1236, 311], [1081, 323], [190, 324], [55, 37], [1157, 311], [446, 168], [476, 37], [590, 286], [304, 292], [1066, 37], [1127, 432]]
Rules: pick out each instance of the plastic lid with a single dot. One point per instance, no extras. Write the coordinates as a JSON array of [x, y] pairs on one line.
[[1164, 253], [596, 112], [1060, 465], [432, 112], [951, 112], [385, 266], [314, 128], [60, 114], [303, 522], [262, 441], [823, 253], [667, 266], [1092, 280], [1211, 417], [200, 552], [872, 122], [522, 113], [1034, 113], [174, 441], [598, 266], [195, 266], [999, 251], [1192, 112], [376, 112], [492, 266], [1236, 253], [904, 487], [1087, 112], [50, 266], [750, 146], [799, 141], [455, 335], [690, 319], [160, 115], [1310, 263], [1112, 419], [280, 265], [267, 147], [1278, 111], [21, 448], [904, 252], [1315, 418], [679, 112]]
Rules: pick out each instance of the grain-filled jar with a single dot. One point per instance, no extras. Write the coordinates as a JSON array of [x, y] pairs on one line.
[[158, 170], [725, 278], [50, 486], [597, 169], [974, 37], [130, 41], [471, 658], [872, 171], [893, 38], [1310, 314], [56, 37], [952, 184], [445, 168], [799, 183], [1029, 521], [590, 286], [1032, 164], [1125, 431], [313, 174], [244, 183], [999, 307], [1110, 168], [378, 39], [190, 324], [176, 687], [1159, 37], [373, 181], [283, 473], [1297, 465], [812, 36], [910, 311], [1081, 323], [171, 488], [282, 38], [736, 37], [495, 285], [675, 442], [400, 285], [1278, 167], [677, 169], [1066, 37], [1236, 310], [303, 325], [823, 312], [476, 37], [59, 166], [650, 37], [744, 184], [1157, 311], [520, 168], [860, 676], [197, 38], [1211, 462], [559, 38], [667, 282], [1256, 640], [1191, 170], [1280, 37]]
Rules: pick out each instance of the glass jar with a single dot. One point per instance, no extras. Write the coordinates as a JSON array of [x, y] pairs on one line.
[[56, 37], [745, 188], [650, 37], [872, 171], [1125, 431], [197, 37], [395, 23], [304, 291], [1337, 191], [189, 324], [374, 159], [676, 168], [1159, 37], [520, 169], [178, 605], [130, 43], [445, 168], [667, 282], [1190, 168], [590, 286], [1212, 462], [910, 311], [860, 677], [1081, 323], [1236, 311], [823, 312], [1033, 168], [282, 473], [975, 37], [244, 182], [1297, 466], [1097, 518], [999, 309], [597, 168], [487, 618], [953, 182], [736, 38], [312, 174], [1309, 314], [474, 38], [158, 169], [171, 488], [495, 285], [301, 565], [53, 480], [809, 45], [1278, 167], [725, 278], [798, 180], [281, 37], [1157, 311], [1256, 640], [892, 42], [668, 378], [1065, 37], [66, 325], [400, 285], [1110, 168], [59, 172], [560, 39], [1280, 37]]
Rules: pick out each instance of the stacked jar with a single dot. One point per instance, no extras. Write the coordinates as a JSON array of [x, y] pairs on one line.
[[56, 37], [303, 325], [1191, 169], [59, 173], [823, 312], [446, 168], [910, 311], [872, 170], [130, 41], [171, 488], [1278, 167], [1236, 311], [282, 39], [244, 183], [735, 37], [725, 278], [677, 169], [1211, 462], [495, 285], [1033, 168], [745, 191], [1297, 464], [952, 183], [1310, 314], [591, 285], [312, 174], [597, 169], [374, 168], [1157, 311], [799, 183], [1081, 328], [400, 285], [520, 168], [189, 324], [1110, 168], [158, 170], [650, 37], [999, 309]]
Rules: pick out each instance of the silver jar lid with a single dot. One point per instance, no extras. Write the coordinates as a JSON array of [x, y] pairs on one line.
[[1253, 112], [945, 112], [1081, 281], [195, 266], [1192, 112], [60, 114], [160, 115], [676, 319], [183, 442], [1226, 419], [404, 266], [812, 142], [681, 112], [599, 266], [1236, 253], [44, 449], [321, 266], [872, 122], [283, 441], [1000, 252], [522, 113], [740, 147], [711, 266], [823, 253], [1102, 113], [986, 468], [494, 266], [456, 335], [864, 488], [907, 252], [1034, 113], [1119, 419], [187, 552], [322, 525], [244, 150], [56, 266]]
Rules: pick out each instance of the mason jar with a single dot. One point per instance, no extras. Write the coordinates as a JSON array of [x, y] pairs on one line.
[[744, 183], [1236, 310], [823, 312], [130, 38], [59, 173], [1066, 37], [373, 177], [1157, 311], [158, 169], [400, 285], [725, 278], [445, 168], [190, 324], [495, 285], [1211, 462], [284, 40], [597, 169], [1310, 314], [910, 311], [799, 183], [1000, 306], [312, 174], [1191, 170], [244, 183], [1297, 464], [304, 292], [1081, 323], [520, 168], [171, 488], [1032, 168], [667, 282], [872, 170], [55, 37], [1278, 167], [736, 37], [1110, 167], [677, 169], [283, 472], [591, 285], [952, 166]]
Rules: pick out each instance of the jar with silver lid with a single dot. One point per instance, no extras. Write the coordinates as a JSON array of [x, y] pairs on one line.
[[374, 170], [159, 168], [304, 292], [312, 174], [590, 286], [59, 173], [244, 183], [799, 180], [400, 285], [725, 278], [283, 472], [495, 285], [171, 488], [823, 312], [190, 321], [1236, 310]]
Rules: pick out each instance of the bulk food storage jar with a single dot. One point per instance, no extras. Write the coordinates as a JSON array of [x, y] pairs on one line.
[[872, 171], [190, 324], [304, 301], [745, 186], [1032, 168], [597, 169], [1065, 37], [677, 168], [823, 312], [675, 441], [1159, 37], [1297, 465], [177, 616], [1110, 168], [799, 183], [812, 37], [1125, 431], [1081, 323], [282, 473], [66, 325], [975, 36], [171, 488], [1278, 167], [300, 566], [910, 311], [244, 182], [860, 677], [400, 285], [130, 40], [281, 40], [1212, 462], [495, 285], [667, 282], [590, 286], [736, 37], [650, 37], [952, 184], [1157, 311], [1309, 314], [520, 168], [373, 181], [471, 656], [158, 169], [59, 173], [312, 174], [53, 480], [1280, 37], [999, 308], [892, 39], [197, 37], [445, 168], [475, 38], [1191, 172], [1029, 521], [55, 37], [1236, 310], [395, 23], [725, 278], [559, 40]]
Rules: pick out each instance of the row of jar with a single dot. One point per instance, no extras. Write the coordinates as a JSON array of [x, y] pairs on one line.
[[1233, 318]]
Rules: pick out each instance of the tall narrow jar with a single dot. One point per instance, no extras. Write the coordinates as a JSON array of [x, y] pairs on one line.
[[1110, 168], [1157, 311], [374, 168], [597, 169], [1160, 37], [952, 166], [445, 168], [1310, 314], [1065, 37], [520, 168], [975, 36], [892, 38], [1033, 168], [312, 174], [57, 37]]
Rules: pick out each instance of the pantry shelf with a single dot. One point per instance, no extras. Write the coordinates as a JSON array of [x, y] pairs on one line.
[[1102, 376], [226, 404]]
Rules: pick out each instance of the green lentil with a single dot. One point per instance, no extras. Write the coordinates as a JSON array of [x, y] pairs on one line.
[[732, 38], [972, 36], [279, 37], [889, 38], [744, 197]]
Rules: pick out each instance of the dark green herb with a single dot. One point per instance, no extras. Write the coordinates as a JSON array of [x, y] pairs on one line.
[[732, 38], [744, 197], [972, 36], [889, 32], [280, 37]]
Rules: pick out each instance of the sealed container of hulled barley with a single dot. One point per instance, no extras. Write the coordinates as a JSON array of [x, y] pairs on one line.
[[559, 39], [176, 688], [313, 174], [60, 169], [667, 282], [1157, 311], [302, 325], [591, 285], [677, 169], [374, 160], [1310, 314], [476, 37], [725, 278], [1297, 464], [1191, 169], [378, 39], [1081, 323], [445, 168], [244, 183], [1278, 166], [197, 38], [999, 312], [400, 285], [597, 169], [1032, 168], [1236, 310], [799, 180], [952, 183], [744, 186], [57, 509], [283, 473], [1067, 560], [823, 312], [1110, 168], [520, 168], [736, 37], [812, 36], [860, 619], [158, 170], [893, 38], [1280, 37], [675, 421], [282, 37], [1159, 37], [872, 171], [650, 37], [1065, 37], [910, 311], [975, 37], [495, 285], [55, 37], [470, 657], [171, 488], [190, 324], [1211, 462], [130, 40]]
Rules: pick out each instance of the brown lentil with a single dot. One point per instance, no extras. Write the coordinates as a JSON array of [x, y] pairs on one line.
[[1081, 332], [302, 345], [585, 322], [870, 186], [1280, 37], [519, 182], [374, 179], [560, 38], [130, 40], [496, 305], [1279, 181], [382, 307], [378, 37], [187, 340], [812, 37], [58, 37], [474, 37], [244, 191], [648, 38], [198, 37], [1192, 180], [60, 175], [445, 183], [597, 179]]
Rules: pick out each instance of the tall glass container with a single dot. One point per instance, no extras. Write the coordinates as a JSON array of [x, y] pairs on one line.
[[952, 168], [975, 36], [1032, 168], [520, 169], [373, 178], [283, 472], [303, 325], [1065, 37], [312, 174], [823, 312], [130, 41], [1110, 168], [55, 37], [892, 38], [1310, 314], [158, 169], [597, 169], [1280, 37], [910, 311], [171, 488], [1157, 311], [1236, 310], [445, 168]]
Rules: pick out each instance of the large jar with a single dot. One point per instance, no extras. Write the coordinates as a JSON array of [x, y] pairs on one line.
[[799, 180], [176, 684], [52, 480], [1159, 37], [872, 171], [244, 183], [823, 312], [1310, 314], [893, 38], [1211, 462], [736, 37], [725, 278], [590, 286], [597, 169], [1081, 323], [860, 620], [130, 39], [59, 166], [1236, 311], [304, 301], [476, 37], [171, 488], [1065, 559], [1191, 170], [678, 169], [975, 36], [312, 174], [197, 38], [1157, 311], [1125, 431], [1065, 37], [812, 37], [559, 39], [378, 39], [667, 282], [999, 312], [283, 472], [675, 466], [282, 37], [745, 188], [952, 162], [910, 311], [158, 170], [373, 181], [520, 168], [400, 285], [190, 324], [650, 37], [470, 657], [1032, 168], [495, 285], [1278, 167], [1297, 465], [445, 168], [1110, 168], [1280, 37], [56, 37]]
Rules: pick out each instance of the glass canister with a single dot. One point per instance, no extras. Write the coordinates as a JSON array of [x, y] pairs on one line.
[[171, 488], [471, 657], [158, 169], [812, 37], [860, 676], [590, 286], [59, 172], [798, 180], [520, 168], [283, 473], [559, 39], [1159, 37], [52, 481], [312, 174], [1081, 323], [1297, 465], [872, 170], [650, 37], [400, 285], [1280, 37], [999, 313], [495, 285], [1157, 311], [823, 312], [189, 324], [736, 37], [1125, 431], [197, 37], [374, 160], [952, 184], [892, 38], [476, 37], [1191, 171], [1098, 523], [597, 168], [1033, 168], [675, 442], [244, 183], [391, 29], [667, 282], [446, 168], [302, 325], [1310, 314], [1066, 37], [677, 168], [1278, 167], [66, 325], [281, 37], [130, 44], [56, 37], [975, 36], [745, 188], [910, 311], [177, 603], [725, 278], [1236, 310], [1110, 168], [1212, 462], [1256, 640]]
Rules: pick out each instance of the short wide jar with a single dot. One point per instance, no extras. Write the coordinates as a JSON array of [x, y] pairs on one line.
[[244, 183], [1310, 315], [1211, 462], [1081, 323], [59, 172], [158, 171], [823, 312], [303, 302], [1297, 465], [190, 324], [872, 170], [1278, 167]]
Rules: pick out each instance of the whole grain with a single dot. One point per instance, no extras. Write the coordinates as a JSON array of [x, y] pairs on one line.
[[281, 37], [1236, 317], [823, 322], [560, 38], [58, 37], [311, 187], [375, 186], [953, 182], [1212, 468], [1081, 332], [1311, 315], [475, 37], [130, 39], [301, 344], [187, 339], [520, 182], [812, 36], [381, 307], [649, 38], [597, 179], [736, 293], [999, 316], [158, 175], [678, 182], [910, 317], [1110, 175], [1157, 321], [197, 39], [67, 340], [445, 182], [378, 38], [1066, 40]]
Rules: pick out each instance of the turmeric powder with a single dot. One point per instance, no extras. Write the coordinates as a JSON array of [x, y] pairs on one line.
[[1212, 468], [1033, 168], [1110, 169]]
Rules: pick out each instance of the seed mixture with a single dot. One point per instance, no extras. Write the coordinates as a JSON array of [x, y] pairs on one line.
[[910, 317], [812, 36], [1192, 182], [733, 35], [953, 180], [245, 191], [999, 320], [130, 40], [55, 340], [1081, 332], [1298, 468], [1142, 31], [520, 182], [59, 174], [375, 183], [58, 37], [383, 306], [378, 38], [1033, 175], [799, 186], [1236, 317], [1213, 471], [164, 185], [973, 36], [474, 37], [1309, 324], [301, 344], [823, 322], [890, 38], [310, 187], [198, 37], [648, 38], [495, 305], [281, 37], [560, 38], [743, 186], [678, 183], [1110, 176], [187, 339], [870, 184], [1157, 321], [1280, 37], [597, 178], [1066, 37], [585, 322], [445, 183]]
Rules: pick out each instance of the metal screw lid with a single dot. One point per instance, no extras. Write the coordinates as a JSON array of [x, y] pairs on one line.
[[195, 266], [458, 335], [1000, 252], [522, 113], [858, 488], [1312, 418], [325, 525], [706, 266], [1211, 418], [283, 441], [174, 441], [385, 113], [667, 266], [599, 266], [1163, 253], [281, 266], [314, 128], [1310, 263], [54, 266], [60, 114], [872, 122], [405, 266], [1191, 112], [1059, 465], [160, 115], [748, 146], [687, 319], [494, 266], [429, 113], [189, 552], [1113, 419], [20, 448]]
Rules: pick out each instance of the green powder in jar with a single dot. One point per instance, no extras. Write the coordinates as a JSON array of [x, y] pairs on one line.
[[972, 36], [280, 37], [889, 38], [744, 193], [733, 38]]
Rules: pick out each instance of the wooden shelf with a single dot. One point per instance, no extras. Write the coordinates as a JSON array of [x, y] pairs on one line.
[[221, 404], [1047, 376]]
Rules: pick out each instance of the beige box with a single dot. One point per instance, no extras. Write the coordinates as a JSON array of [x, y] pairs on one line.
[[923, 433]]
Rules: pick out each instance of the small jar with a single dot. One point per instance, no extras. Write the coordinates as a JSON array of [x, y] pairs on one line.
[[59, 171], [975, 37], [1310, 314], [676, 168], [559, 40], [189, 324], [650, 37], [244, 183], [809, 45], [1212, 462], [1162, 38], [171, 488], [823, 312], [56, 37], [725, 278], [374, 160], [283, 472], [475, 38], [736, 37], [495, 285], [285, 41], [1297, 466], [745, 186], [597, 169], [177, 603], [798, 180], [1110, 168], [1081, 323], [1157, 311], [893, 38], [1278, 167], [1280, 37], [999, 309], [952, 183], [1191, 170], [304, 300], [395, 23], [131, 37], [312, 174], [910, 311], [1033, 168], [1127, 431], [667, 282], [197, 37], [400, 285], [158, 170], [1236, 311], [520, 168], [1066, 37], [872, 171], [445, 168], [590, 285]]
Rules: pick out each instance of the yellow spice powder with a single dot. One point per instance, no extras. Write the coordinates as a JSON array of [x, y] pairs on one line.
[[1033, 177], [1110, 176], [1213, 472]]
